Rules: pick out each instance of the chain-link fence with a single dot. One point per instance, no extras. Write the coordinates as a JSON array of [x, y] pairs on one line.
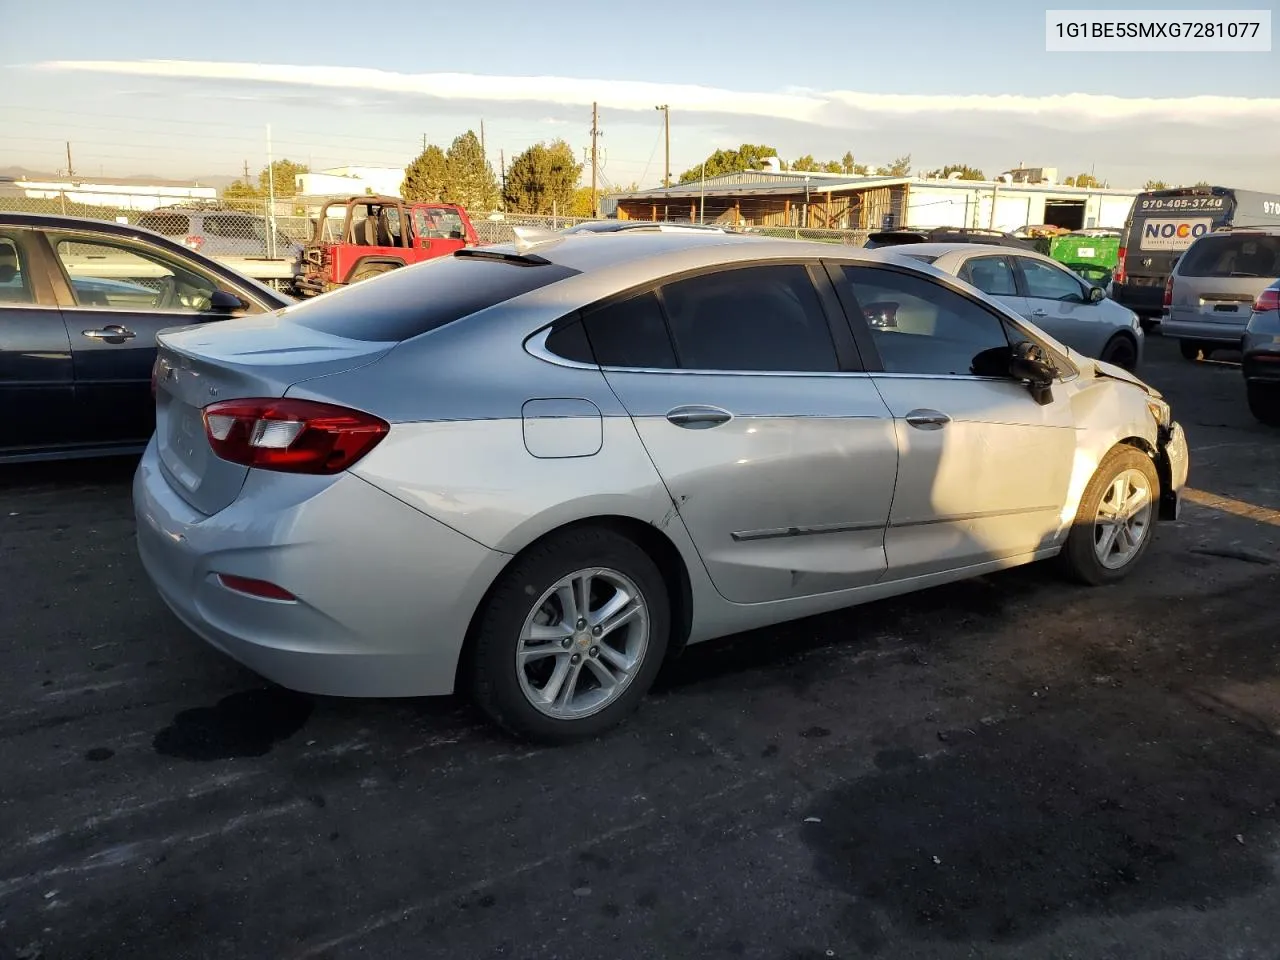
[[265, 240]]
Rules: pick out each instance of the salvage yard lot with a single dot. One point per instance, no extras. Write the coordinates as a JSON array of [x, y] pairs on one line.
[[1010, 767]]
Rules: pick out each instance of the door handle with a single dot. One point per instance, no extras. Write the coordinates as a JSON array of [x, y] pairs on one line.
[[111, 332], [927, 419], [698, 417]]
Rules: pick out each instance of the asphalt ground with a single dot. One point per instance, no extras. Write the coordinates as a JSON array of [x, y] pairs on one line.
[[1010, 767]]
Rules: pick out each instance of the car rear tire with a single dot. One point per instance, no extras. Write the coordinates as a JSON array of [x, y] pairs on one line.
[[1191, 349], [1264, 402], [1115, 521], [371, 270], [1121, 351], [571, 636]]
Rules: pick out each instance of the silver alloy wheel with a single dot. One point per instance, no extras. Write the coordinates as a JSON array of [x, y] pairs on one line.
[[1123, 519], [583, 643]]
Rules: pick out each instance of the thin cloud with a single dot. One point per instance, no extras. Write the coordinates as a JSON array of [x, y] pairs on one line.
[[835, 108]]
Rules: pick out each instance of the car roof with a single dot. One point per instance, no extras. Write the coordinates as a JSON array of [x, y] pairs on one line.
[[672, 251], [973, 249]]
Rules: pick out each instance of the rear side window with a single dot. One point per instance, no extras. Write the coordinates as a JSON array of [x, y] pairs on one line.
[[764, 318], [415, 300], [631, 333], [1224, 256], [231, 227], [169, 224], [14, 287], [991, 275]]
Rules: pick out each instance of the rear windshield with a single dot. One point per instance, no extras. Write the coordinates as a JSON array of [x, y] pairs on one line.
[[169, 224], [414, 300], [1232, 256]]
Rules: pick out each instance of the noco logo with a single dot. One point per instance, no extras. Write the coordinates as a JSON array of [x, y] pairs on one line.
[[1166, 230]]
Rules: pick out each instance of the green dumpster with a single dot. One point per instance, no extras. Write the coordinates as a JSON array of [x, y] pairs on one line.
[[1093, 257]]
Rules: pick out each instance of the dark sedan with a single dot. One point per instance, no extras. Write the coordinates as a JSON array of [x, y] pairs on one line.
[[1261, 356], [81, 302]]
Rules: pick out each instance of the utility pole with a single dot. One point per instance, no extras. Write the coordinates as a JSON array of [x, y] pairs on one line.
[[70, 171], [271, 195], [595, 133], [246, 171], [502, 166], [424, 143], [666, 119], [482, 149]]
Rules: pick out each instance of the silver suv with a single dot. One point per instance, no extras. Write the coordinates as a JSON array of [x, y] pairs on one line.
[[1210, 294]]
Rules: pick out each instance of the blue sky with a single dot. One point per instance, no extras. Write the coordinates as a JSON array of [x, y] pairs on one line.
[[123, 119]]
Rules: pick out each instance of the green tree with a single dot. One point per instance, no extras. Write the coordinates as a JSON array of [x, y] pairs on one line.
[[1202, 183], [832, 166], [900, 167], [543, 179], [749, 156], [848, 165], [805, 164], [471, 181], [1155, 185], [283, 172], [1082, 180], [426, 178], [581, 206], [240, 190], [966, 172]]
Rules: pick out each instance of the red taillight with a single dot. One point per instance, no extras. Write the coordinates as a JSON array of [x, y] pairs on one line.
[[1268, 299], [1168, 293], [1118, 275], [255, 588], [194, 242], [294, 436]]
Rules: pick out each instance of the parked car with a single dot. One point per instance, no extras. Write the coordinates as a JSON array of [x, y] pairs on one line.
[[241, 241], [357, 238], [894, 238], [1043, 291], [652, 226], [1212, 288], [81, 302], [537, 470], [1261, 356]]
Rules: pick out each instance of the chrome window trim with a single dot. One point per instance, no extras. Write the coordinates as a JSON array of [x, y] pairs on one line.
[[536, 346]]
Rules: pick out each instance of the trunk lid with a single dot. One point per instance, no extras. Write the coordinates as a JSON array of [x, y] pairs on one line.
[[1227, 300], [255, 357]]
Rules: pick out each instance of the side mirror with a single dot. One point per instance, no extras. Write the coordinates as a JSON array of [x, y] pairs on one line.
[[1030, 365], [1097, 294], [220, 301]]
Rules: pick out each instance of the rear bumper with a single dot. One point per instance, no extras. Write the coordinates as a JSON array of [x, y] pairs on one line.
[[1199, 330], [384, 593], [1145, 301], [1261, 360], [1173, 464]]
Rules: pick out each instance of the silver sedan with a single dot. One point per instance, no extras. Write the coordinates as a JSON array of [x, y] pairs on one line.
[[1046, 293], [538, 471]]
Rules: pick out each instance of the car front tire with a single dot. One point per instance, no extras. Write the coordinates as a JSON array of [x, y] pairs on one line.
[[571, 636], [1115, 521], [1264, 402], [1122, 351]]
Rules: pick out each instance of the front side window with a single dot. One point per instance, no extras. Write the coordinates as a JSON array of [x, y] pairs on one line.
[[1049, 282], [168, 224], [15, 285], [991, 275], [757, 318], [921, 327], [114, 275]]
